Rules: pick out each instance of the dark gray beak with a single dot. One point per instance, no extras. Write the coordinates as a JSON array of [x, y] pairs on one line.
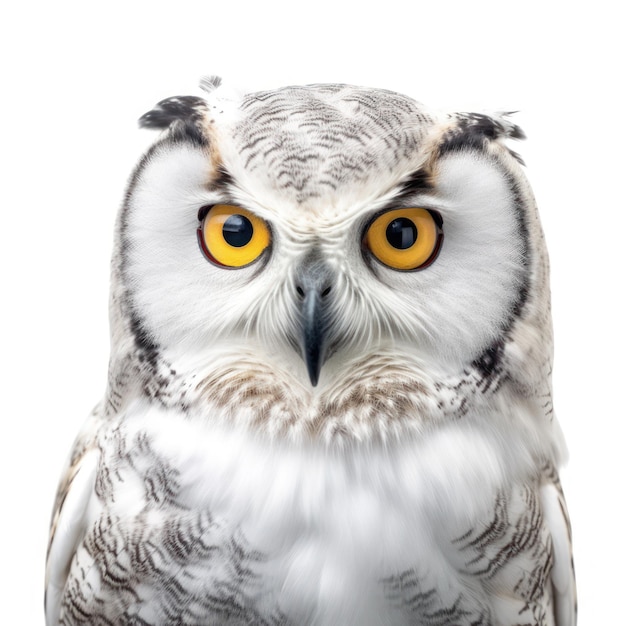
[[314, 286]]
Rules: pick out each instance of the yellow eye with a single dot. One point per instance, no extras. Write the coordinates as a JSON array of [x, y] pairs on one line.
[[231, 236], [405, 239]]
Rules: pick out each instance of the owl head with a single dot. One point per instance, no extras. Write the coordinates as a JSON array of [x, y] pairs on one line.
[[329, 258]]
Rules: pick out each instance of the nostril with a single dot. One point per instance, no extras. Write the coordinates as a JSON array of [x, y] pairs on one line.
[[302, 293]]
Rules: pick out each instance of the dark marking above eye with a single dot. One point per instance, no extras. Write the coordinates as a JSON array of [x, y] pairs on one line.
[[401, 233], [237, 231]]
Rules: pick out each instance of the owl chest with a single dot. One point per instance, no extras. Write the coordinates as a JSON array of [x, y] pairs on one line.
[[321, 535]]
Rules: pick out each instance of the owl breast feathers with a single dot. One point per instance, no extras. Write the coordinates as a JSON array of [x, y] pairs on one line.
[[329, 397]]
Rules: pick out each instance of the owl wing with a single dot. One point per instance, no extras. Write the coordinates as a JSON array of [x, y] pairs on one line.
[[563, 582], [68, 528]]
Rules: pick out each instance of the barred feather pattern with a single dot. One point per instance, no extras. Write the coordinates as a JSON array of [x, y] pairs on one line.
[[165, 564], [160, 562], [356, 131]]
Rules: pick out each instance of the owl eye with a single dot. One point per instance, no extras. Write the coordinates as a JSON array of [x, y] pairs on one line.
[[231, 236], [405, 239]]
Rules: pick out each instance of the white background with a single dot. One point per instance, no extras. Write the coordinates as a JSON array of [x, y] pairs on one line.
[[75, 79]]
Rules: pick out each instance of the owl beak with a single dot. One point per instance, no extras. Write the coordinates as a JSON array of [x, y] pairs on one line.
[[313, 290]]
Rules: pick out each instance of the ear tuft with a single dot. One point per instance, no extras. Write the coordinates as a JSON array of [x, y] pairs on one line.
[[186, 109], [475, 130], [493, 127]]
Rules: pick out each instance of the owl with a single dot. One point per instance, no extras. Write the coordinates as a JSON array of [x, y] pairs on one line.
[[329, 397]]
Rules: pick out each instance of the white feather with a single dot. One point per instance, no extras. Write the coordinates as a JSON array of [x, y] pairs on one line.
[[562, 570], [69, 529]]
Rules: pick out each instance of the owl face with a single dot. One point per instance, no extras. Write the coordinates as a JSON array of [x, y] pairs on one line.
[[324, 231]]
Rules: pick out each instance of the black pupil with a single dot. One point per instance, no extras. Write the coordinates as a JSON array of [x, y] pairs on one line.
[[237, 231], [401, 233]]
